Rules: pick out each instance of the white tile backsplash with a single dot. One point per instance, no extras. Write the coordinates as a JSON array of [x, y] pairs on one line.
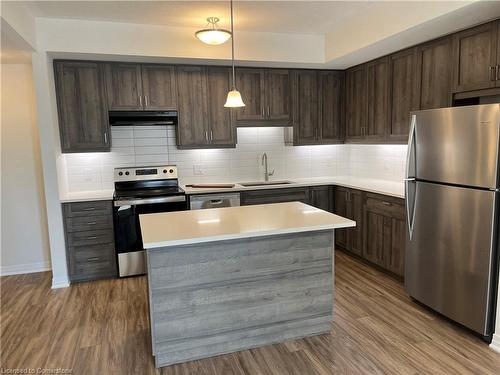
[[142, 146]]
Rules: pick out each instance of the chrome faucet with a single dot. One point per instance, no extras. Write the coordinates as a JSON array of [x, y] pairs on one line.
[[266, 172]]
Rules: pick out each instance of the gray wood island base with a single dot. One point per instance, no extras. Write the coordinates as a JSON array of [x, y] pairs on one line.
[[214, 294]]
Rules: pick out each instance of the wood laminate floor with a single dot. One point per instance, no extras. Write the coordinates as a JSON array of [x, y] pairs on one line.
[[102, 328]]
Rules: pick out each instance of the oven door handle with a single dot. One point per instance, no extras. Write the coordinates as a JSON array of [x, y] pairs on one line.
[[136, 202]]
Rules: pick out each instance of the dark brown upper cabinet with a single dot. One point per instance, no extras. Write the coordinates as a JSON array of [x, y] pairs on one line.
[[266, 94], [318, 108], [356, 94], [203, 120], [159, 87], [305, 107], [278, 96], [222, 132], [475, 56], [82, 108], [331, 102], [124, 86], [377, 100], [435, 67], [140, 87], [404, 96]]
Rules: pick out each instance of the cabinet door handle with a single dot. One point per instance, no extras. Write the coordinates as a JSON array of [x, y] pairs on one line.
[[91, 237], [386, 204], [206, 136], [146, 100], [211, 135], [92, 259], [268, 111], [263, 112], [497, 68], [140, 100], [105, 137], [91, 223], [89, 209]]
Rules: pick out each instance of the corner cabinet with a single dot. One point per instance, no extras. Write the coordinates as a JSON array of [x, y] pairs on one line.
[[318, 106], [135, 87], [203, 120], [349, 203], [82, 107], [266, 94]]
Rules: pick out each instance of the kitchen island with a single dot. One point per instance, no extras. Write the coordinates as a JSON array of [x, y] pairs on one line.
[[229, 279]]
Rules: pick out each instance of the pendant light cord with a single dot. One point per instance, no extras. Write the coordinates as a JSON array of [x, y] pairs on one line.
[[232, 43]]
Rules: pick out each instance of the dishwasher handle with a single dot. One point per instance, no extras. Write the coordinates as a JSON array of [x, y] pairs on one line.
[[204, 201]]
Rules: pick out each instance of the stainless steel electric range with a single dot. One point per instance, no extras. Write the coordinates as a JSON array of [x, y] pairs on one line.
[[138, 191]]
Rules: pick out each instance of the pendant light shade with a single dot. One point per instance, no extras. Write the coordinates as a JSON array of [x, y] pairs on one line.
[[234, 99], [214, 35]]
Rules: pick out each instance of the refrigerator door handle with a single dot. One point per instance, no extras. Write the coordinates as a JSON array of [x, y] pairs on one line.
[[411, 149], [410, 213]]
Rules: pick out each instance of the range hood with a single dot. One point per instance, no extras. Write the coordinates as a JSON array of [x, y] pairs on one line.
[[142, 118]]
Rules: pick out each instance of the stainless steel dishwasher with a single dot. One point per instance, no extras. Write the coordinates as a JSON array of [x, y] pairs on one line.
[[217, 200]]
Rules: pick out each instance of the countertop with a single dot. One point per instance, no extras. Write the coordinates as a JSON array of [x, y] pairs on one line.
[[197, 226], [384, 187], [85, 196], [392, 188]]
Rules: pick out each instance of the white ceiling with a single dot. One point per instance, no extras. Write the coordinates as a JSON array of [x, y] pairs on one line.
[[304, 17]]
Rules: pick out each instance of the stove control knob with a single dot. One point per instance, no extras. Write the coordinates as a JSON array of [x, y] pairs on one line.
[[171, 171], [127, 173], [120, 173], [164, 171]]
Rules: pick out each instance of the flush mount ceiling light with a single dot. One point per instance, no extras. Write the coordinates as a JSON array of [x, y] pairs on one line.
[[233, 97], [213, 35]]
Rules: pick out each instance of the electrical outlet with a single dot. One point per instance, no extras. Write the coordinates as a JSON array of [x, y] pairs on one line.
[[197, 169]]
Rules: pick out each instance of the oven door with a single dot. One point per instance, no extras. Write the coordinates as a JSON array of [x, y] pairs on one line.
[[128, 239]]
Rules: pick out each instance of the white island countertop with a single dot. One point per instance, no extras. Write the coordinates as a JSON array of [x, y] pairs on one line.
[[216, 224]]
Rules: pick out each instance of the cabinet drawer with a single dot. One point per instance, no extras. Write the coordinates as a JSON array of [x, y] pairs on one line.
[[86, 223], [92, 270], [388, 206], [275, 196], [90, 237], [94, 208], [83, 254]]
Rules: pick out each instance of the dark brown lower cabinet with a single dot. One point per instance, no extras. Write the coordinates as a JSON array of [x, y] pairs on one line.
[[90, 243], [349, 204], [317, 196], [380, 233], [321, 197], [385, 232], [298, 194]]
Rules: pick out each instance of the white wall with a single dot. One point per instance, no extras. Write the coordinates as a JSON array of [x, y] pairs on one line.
[[24, 243]]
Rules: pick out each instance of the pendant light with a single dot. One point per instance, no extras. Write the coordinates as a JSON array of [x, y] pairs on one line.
[[213, 36], [233, 97]]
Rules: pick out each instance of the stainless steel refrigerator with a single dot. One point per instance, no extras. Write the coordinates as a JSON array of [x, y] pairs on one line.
[[452, 202]]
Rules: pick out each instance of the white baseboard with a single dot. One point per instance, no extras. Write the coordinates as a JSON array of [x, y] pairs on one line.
[[495, 343], [25, 268], [60, 282]]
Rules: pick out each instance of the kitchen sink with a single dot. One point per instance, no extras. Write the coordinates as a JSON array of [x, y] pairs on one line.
[[264, 183]]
